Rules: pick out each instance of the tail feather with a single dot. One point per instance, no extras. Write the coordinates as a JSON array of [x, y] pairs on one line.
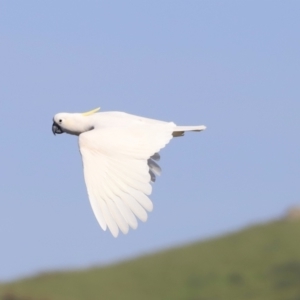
[[179, 130]]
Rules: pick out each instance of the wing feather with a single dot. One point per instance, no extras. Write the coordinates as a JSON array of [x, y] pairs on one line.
[[118, 217], [124, 182], [127, 213], [111, 223], [142, 199], [136, 208], [116, 171]]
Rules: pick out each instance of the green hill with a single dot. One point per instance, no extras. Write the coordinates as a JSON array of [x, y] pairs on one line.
[[261, 263]]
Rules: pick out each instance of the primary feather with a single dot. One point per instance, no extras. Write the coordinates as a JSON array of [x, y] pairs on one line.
[[119, 153]]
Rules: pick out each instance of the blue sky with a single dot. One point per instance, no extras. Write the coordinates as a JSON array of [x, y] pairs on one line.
[[231, 65]]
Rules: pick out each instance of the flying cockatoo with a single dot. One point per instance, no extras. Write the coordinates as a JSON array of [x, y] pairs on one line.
[[119, 153]]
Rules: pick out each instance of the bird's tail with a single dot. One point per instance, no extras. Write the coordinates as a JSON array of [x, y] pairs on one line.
[[180, 130]]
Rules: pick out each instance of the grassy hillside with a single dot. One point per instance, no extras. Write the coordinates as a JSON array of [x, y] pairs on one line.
[[261, 263]]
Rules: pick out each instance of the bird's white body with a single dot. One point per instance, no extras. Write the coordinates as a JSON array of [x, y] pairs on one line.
[[119, 151]]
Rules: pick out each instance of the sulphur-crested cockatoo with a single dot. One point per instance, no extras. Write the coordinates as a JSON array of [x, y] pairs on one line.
[[119, 153]]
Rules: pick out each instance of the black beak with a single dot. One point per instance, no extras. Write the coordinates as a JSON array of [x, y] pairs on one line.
[[56, 128]]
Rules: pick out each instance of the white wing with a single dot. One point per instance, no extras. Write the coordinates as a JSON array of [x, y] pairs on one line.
[[116, 172]]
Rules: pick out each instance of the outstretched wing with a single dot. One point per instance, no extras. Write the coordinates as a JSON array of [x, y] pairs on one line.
[[116, 172]]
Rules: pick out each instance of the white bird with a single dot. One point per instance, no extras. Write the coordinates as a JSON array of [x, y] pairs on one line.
[[119, 153]]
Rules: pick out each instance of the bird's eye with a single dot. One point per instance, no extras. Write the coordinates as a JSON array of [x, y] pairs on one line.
[[60, 120]]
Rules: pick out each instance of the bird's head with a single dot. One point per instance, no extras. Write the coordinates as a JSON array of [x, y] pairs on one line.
[[72, 123]]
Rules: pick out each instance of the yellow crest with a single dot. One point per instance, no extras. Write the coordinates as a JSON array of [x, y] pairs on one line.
[[91, 111]]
